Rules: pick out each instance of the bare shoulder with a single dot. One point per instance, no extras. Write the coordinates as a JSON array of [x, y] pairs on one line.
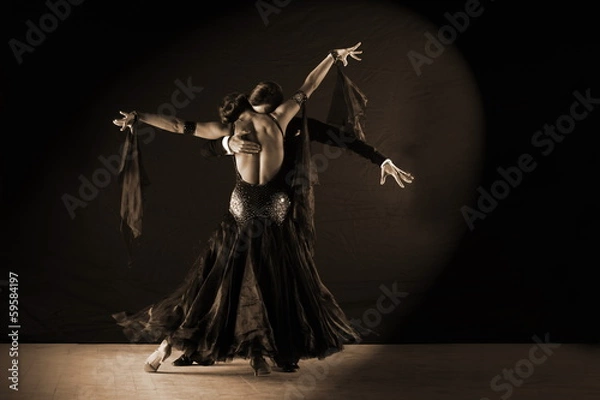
[[267, 124]]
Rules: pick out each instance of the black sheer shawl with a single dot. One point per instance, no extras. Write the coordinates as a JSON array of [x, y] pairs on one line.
[[133, 179], [348, 106]]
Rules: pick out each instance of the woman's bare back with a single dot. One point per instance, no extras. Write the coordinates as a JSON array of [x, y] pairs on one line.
[[259, 168]]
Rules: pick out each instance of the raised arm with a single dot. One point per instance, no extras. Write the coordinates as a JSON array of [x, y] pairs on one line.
[[205, 130], [288, 109]]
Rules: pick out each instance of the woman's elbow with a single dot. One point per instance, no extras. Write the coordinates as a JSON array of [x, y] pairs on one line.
[[177, 126]]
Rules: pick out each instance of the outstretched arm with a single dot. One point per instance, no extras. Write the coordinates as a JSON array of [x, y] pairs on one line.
[[333, 136], [286, 111], [206, 130]]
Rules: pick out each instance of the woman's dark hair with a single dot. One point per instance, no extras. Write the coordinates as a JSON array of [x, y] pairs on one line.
[[266, 92], [232, 105]]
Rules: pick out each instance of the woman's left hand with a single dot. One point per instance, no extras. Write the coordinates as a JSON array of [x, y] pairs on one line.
[[401, 177], [127, 120], [342, 54]]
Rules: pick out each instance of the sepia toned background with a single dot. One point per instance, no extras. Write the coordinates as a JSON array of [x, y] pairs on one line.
[[461, 122]]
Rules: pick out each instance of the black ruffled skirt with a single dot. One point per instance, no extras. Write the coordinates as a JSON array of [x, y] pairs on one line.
[[255, 288]]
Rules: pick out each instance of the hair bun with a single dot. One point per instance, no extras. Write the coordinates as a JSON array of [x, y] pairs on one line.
[[232, 105]]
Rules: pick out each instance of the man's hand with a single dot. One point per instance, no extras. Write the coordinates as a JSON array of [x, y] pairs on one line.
[[238, 145], [388, 168]]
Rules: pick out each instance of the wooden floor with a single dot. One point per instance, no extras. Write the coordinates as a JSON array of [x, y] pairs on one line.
[[407, 372]]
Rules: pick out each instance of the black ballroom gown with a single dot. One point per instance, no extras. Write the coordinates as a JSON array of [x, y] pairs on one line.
[[255, 287]]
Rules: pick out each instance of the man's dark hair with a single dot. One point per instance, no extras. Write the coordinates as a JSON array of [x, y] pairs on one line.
[[266, 92]]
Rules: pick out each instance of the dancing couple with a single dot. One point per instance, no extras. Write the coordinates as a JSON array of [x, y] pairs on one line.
[[254, 292]]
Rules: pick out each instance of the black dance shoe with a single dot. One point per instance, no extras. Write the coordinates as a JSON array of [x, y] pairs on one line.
[[185, 360], [260, 366], [287, 366]]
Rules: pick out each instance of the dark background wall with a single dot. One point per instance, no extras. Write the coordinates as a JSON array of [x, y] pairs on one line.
[[526, 269]]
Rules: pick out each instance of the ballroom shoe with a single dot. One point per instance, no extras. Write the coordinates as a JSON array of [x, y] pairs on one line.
[[260, 366], [286, 366], [289, 367], [185, 361], [155, 359]]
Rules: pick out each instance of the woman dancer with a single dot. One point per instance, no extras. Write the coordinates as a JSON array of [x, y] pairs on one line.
[[255, 291]]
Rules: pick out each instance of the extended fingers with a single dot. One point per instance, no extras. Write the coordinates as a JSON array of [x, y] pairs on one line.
[[249, 147], [407, 177], [120, 124], [398, 180], [383, 177], [399, 177]]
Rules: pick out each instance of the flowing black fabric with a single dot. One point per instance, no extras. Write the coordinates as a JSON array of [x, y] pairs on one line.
[[133, 179], [255, 288], [348, 106], [302, 177]]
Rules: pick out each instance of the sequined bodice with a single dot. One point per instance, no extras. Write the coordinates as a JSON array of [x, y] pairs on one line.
[[269, 201]]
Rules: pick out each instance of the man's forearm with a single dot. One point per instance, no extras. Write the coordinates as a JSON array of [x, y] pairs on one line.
[[331, 135], [212, 148], [367, 151]]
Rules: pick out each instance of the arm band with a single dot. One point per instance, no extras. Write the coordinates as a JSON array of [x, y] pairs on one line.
[[189, 128], [299, 97]]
